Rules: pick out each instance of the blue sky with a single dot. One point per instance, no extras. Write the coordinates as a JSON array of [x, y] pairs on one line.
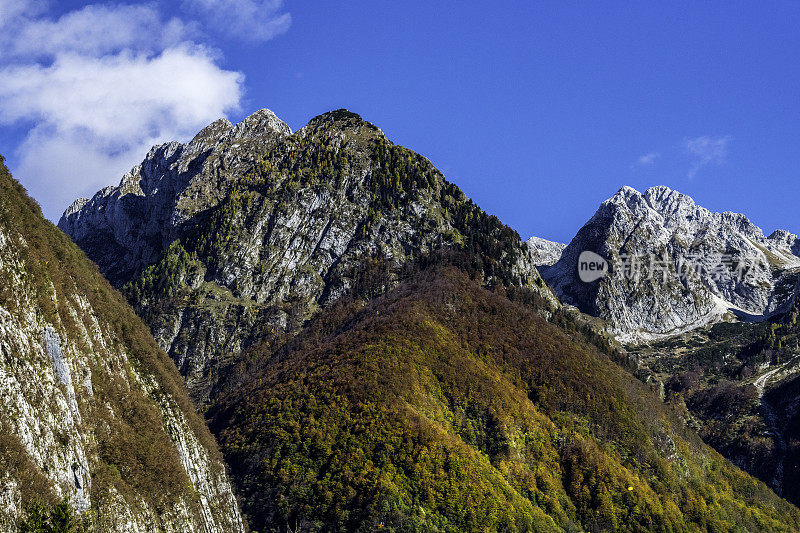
[[538, 111]]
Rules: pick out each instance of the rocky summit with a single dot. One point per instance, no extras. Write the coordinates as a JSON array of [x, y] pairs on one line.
[[126, 228], [545, 253], [674, 266], [248, 230]]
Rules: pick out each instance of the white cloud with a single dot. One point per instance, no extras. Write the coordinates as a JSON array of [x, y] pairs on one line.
[[249, 20], [106, 83], [120, 97], [56, 168], [95, 117], [648, 159], [705, 151], [11, 10], [96, 30]]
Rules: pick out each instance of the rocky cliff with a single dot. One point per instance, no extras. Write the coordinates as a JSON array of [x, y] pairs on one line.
[[248, 230], [545, 252], [675, 266], [92, 412]]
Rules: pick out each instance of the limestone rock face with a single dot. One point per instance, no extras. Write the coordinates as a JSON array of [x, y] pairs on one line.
[[247, 230], [545, 253], [786, 241], [675, 266], [91, 410], [126, 228]]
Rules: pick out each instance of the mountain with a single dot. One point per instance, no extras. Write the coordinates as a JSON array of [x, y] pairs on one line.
[[92, 412], [371, 349], [786, 240], [246, 231], [708, 306], [442, 406], [674, 266], [545, 252], [737, 385]]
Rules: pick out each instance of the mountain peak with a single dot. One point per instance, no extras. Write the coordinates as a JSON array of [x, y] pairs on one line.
[[669, 202], [339, 115], [660, 198], [627, 198], [263, 120], [786, 240], [781, 235], [665, 224], [624, 195], [662, 190], [545, 252], [626, 191], [339, 120], [74, 207], [214, 130]]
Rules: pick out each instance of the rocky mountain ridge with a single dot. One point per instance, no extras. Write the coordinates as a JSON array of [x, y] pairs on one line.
[[229, 244], [675, 266], [545, 253], [250, 228]]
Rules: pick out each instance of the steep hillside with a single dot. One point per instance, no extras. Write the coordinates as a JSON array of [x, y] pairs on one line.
[[675, 266], [248, 230], [441, 406], [737, 384], [92, 411]]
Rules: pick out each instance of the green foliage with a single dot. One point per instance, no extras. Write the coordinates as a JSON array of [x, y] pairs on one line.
[[399, 174], [166, 278], [443, 407], [402, 176], [59, 518]]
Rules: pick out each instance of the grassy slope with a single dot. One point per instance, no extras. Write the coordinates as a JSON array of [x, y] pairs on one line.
[[444, 407]]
